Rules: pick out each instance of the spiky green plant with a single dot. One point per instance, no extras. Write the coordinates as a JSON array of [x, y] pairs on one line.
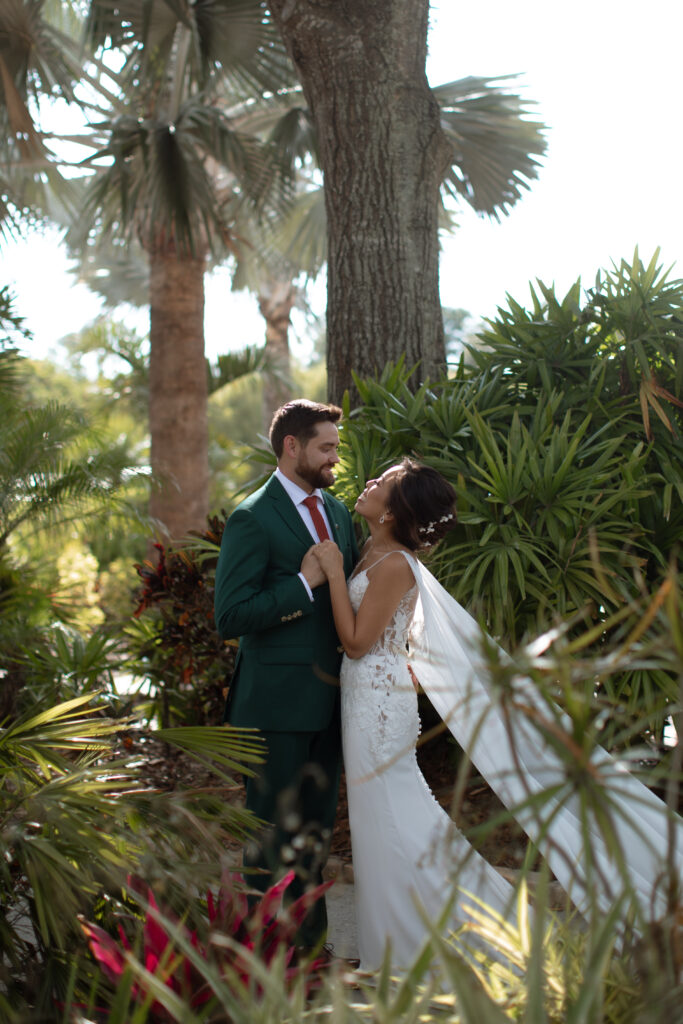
[[562, 436], [76, 821]]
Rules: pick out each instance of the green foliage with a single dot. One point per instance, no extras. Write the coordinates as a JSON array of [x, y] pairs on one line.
[[76, 820], [57, 480], [563, 439], [40, 58], [12, 330], [173, 643], [170, 116], [496, 147], [549, 967], [233, 365], [529, 965], [236, 425], [122, 360], [238, 934]]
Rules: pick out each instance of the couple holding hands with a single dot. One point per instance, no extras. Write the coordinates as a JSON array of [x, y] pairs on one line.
[[331, 644]]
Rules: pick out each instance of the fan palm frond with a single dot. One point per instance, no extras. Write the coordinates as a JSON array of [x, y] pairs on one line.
[[37, 59], [496, 150], [117, 272], [10, 378], [176, 179], [236, 38], [496, 153], [293, 134]]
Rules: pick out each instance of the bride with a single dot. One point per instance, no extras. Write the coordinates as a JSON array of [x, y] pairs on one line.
[[397, 623]]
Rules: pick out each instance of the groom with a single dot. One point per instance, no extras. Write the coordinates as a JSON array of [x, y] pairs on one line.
[[272, 593]]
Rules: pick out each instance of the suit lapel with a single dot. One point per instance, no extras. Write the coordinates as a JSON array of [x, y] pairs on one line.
[[285, 508], [333, 520], [290, 515]]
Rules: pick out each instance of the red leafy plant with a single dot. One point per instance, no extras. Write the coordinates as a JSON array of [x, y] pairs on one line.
[[262, 930]]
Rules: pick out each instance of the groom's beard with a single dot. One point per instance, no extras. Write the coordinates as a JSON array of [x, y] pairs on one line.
[[322, 476]]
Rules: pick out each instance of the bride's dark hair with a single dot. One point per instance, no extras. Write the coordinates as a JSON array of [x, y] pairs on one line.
[[422, 503]]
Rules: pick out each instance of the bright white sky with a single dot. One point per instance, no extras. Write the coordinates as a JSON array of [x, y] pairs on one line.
[[606, 78]]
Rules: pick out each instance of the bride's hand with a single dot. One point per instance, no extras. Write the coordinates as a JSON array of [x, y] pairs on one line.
[[330, 557], [312, 570]]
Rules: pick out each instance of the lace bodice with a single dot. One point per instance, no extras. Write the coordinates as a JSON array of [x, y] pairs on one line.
[[395, 635], [378, 696]]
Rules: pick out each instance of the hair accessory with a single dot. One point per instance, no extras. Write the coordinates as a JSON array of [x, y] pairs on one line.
[[430, 526]]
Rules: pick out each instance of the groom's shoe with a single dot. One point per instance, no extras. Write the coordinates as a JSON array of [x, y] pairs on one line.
[[325, 957], [328, 956]]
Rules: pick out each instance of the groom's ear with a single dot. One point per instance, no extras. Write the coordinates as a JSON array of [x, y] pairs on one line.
[[289, 445]]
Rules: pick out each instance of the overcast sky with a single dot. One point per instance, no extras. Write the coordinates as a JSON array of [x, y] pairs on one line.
[[606, 78]]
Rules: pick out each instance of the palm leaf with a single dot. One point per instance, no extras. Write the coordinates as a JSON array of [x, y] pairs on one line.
[[37, 59], [495, 149]]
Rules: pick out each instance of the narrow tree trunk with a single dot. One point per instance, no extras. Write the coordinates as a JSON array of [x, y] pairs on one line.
[[178, 393], [383, 154], [275, 301]]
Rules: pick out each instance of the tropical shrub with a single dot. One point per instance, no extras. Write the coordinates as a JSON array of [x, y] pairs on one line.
[[53, 474], [237, 933], [562, 438], [77, 818], [173, 643], [544, 966]]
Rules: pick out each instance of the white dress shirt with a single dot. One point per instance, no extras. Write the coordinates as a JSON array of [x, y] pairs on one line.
[[297, 495]]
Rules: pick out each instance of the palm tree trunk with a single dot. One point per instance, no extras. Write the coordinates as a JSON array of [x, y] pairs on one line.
[[276, 298], [178, 393], [383, 155]]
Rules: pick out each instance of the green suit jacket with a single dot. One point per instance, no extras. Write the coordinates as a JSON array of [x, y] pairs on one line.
[[286, 675]]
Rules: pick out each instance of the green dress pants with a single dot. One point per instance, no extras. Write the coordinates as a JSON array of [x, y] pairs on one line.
[[295, 792]]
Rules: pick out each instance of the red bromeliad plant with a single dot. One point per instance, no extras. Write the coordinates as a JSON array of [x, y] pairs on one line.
[[172, 638], [262, 930]]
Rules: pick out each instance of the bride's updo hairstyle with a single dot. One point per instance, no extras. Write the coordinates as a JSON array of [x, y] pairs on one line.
[[422, 503]]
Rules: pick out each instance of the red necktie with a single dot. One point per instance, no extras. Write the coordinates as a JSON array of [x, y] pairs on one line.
[[311, 504]]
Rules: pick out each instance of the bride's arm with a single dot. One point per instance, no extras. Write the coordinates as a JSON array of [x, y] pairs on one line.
[[389, 581]]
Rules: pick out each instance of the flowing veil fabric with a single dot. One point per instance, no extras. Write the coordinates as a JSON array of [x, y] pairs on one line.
[[512, 737]]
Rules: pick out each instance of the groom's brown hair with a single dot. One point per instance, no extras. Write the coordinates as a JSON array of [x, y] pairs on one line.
[[300, 418]]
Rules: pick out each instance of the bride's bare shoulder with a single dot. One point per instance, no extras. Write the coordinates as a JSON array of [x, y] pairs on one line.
[[394, 567]]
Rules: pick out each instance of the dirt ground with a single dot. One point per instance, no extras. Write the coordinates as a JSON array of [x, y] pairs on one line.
[[503, 844]]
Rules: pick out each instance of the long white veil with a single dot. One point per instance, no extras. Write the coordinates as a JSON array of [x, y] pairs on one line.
[[602, 832]]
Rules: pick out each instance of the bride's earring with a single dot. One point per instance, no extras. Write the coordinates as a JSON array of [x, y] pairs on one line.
[[381, 519]]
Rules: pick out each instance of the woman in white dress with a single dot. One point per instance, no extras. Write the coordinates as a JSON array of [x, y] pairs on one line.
[[405, 847]]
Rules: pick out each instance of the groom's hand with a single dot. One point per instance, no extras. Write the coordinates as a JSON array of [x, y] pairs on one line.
[[312, 570], [330, 557]]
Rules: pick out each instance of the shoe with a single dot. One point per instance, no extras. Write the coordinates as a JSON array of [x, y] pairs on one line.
[[325, 956], [328, 955]]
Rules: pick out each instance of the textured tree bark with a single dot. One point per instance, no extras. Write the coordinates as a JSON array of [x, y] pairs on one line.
[[383, 155], [178, 393], [275, 301]]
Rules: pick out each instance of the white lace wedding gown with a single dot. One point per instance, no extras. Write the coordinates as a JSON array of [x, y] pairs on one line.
[[404, 844], [405, 847]]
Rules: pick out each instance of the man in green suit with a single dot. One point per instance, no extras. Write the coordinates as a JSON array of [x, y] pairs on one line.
[[271, 592]]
